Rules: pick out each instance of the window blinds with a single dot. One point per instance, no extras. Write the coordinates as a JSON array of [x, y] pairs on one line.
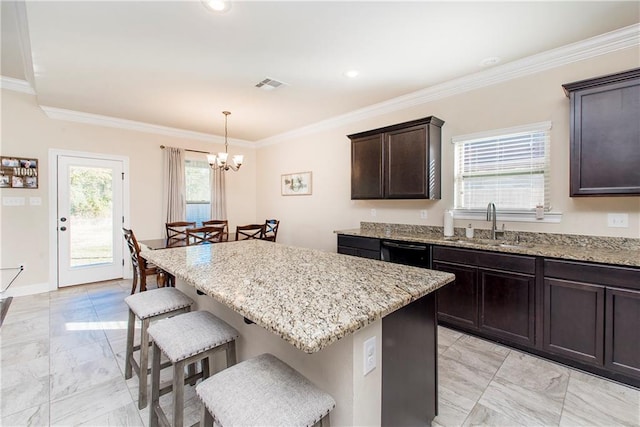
[[509, 167]]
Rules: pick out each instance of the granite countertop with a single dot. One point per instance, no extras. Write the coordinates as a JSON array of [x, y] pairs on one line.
[[308, 297], [615, 251]]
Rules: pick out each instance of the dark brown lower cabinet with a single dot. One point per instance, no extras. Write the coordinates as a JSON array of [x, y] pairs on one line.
[[582, 314], [592, 316], [622, 331], [458, 301], [486, 299], [507, 305], [574, 320], [363, 247]]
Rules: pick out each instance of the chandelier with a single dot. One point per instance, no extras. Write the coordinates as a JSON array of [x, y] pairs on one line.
[[220, 161]]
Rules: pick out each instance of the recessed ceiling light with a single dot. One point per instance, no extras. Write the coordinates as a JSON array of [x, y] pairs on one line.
[[351, 74], [488, 62], [218, 6]]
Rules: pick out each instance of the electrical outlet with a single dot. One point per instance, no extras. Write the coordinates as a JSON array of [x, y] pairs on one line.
[[423, 214], [369, 351], [373, 213], [618, 220]]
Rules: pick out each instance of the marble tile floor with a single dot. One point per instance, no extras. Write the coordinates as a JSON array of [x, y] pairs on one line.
[[62, 364]]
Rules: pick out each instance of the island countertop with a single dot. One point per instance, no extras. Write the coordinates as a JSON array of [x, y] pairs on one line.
[[307, 297]]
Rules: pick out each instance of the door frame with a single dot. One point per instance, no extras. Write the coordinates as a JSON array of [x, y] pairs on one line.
[[53, 206]]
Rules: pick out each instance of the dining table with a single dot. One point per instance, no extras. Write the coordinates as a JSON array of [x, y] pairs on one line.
[[155, 244]]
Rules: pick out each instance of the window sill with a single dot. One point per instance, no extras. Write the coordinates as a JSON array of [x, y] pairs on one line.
[[524, 216]]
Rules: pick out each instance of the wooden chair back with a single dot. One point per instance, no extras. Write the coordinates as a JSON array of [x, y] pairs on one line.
[[141, 268], [177, 233], [271, 229], [249, 231], [205, 235], [224, 222]]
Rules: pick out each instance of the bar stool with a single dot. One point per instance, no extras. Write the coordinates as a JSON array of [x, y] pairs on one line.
[[263, 391], [186, 339], [149, 306]]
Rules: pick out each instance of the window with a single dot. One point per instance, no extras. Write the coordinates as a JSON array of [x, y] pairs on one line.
[[198, 190], [509, 167]]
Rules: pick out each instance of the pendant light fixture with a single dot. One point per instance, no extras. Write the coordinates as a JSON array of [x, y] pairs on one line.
[[220, 161]]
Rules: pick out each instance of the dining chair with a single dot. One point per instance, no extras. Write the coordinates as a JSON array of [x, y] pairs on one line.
[[141, 268], [249, 231], [177, 233], [205, 234], [271, 229], [224, 222]]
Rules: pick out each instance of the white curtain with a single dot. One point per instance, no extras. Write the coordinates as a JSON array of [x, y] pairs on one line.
[[176, 206], [218, 195]]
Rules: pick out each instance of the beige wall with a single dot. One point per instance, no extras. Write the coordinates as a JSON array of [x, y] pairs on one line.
[[28, 132], [254, 192], [310, 220]]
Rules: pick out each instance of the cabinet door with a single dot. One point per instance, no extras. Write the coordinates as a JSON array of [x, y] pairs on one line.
[[366, 167], [458, 301], [605, 135], [406, 175], [364, 247], [574, 320], [507, 303], [622, 338]]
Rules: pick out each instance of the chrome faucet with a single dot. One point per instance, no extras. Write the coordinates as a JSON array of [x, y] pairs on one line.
[[491, 216]]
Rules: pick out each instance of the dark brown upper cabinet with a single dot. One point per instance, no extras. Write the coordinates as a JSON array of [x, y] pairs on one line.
[[397, 162], [605, 135]]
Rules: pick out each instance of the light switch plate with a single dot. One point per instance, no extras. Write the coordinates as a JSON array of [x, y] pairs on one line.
[[423, 214], [618, 220], [35, 201], [13, 201]]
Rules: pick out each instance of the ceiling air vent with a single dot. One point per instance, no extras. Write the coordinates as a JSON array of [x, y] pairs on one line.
[[270, 84]]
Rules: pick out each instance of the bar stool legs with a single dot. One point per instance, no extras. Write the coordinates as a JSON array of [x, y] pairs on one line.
[[149, 306], [186, 340]]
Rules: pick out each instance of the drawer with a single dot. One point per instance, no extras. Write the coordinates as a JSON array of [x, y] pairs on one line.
[[599, 274], [486, 259], [359, 242]]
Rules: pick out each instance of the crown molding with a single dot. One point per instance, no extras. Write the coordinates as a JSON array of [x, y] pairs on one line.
[[114, 122], [16, 85], [24, 40], [623, 38]]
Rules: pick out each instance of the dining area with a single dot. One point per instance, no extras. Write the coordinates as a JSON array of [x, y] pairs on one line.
[[189, 233]]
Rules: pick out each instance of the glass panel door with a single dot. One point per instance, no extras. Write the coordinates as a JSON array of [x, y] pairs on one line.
[[89, 220]]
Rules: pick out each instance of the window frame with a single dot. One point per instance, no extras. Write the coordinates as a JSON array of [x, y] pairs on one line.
[[518, 214]]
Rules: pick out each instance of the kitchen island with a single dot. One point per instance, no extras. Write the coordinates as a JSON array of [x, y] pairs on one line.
[[315, 310]]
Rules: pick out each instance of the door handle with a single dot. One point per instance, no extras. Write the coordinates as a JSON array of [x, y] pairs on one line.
[[63, 228], [63, 219]]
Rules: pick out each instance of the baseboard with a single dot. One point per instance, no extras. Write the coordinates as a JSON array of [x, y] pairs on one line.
[[20, 291]]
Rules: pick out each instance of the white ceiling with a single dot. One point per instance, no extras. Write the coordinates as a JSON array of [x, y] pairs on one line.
[[175, 64]]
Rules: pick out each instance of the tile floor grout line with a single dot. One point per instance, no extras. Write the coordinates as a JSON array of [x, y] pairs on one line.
[[106, 300]]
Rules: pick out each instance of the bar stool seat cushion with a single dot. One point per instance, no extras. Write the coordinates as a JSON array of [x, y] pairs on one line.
[[263, 391], [191, 333], [158, 301]]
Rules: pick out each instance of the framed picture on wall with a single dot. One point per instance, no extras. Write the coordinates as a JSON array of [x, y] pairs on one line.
[[296, 184], [18, 172]]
